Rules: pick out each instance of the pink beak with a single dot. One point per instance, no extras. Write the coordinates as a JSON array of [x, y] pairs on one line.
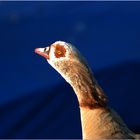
[[41, 52]]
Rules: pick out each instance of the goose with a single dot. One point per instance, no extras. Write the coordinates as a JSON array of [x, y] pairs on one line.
[[98, 120]]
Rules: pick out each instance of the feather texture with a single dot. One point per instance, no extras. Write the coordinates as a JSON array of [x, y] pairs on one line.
[[98, 120]]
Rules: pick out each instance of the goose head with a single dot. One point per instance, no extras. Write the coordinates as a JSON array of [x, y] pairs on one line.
[[72, 66], [64, 58]]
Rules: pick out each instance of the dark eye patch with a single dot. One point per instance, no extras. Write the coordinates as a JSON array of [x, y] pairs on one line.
[[60, 51]]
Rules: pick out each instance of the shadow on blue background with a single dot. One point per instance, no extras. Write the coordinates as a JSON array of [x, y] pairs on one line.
[[35, 101]]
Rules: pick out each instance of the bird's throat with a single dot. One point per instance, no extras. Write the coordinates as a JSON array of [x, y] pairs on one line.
[[89, 93]]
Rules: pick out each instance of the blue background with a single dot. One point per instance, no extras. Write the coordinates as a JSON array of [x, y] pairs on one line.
[[35, 101]]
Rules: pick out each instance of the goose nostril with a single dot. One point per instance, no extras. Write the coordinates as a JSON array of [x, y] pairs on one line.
[[47, 50], [44, 49]]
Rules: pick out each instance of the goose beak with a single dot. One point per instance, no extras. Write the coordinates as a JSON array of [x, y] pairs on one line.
[[44, 52]]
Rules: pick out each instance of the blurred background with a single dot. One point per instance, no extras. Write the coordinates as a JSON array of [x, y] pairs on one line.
[[35, 101]]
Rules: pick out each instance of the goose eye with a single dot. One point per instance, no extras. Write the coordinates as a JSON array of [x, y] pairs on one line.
[[60, 51]]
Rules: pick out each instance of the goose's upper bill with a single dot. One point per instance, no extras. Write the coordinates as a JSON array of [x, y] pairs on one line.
[[41, 51]]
